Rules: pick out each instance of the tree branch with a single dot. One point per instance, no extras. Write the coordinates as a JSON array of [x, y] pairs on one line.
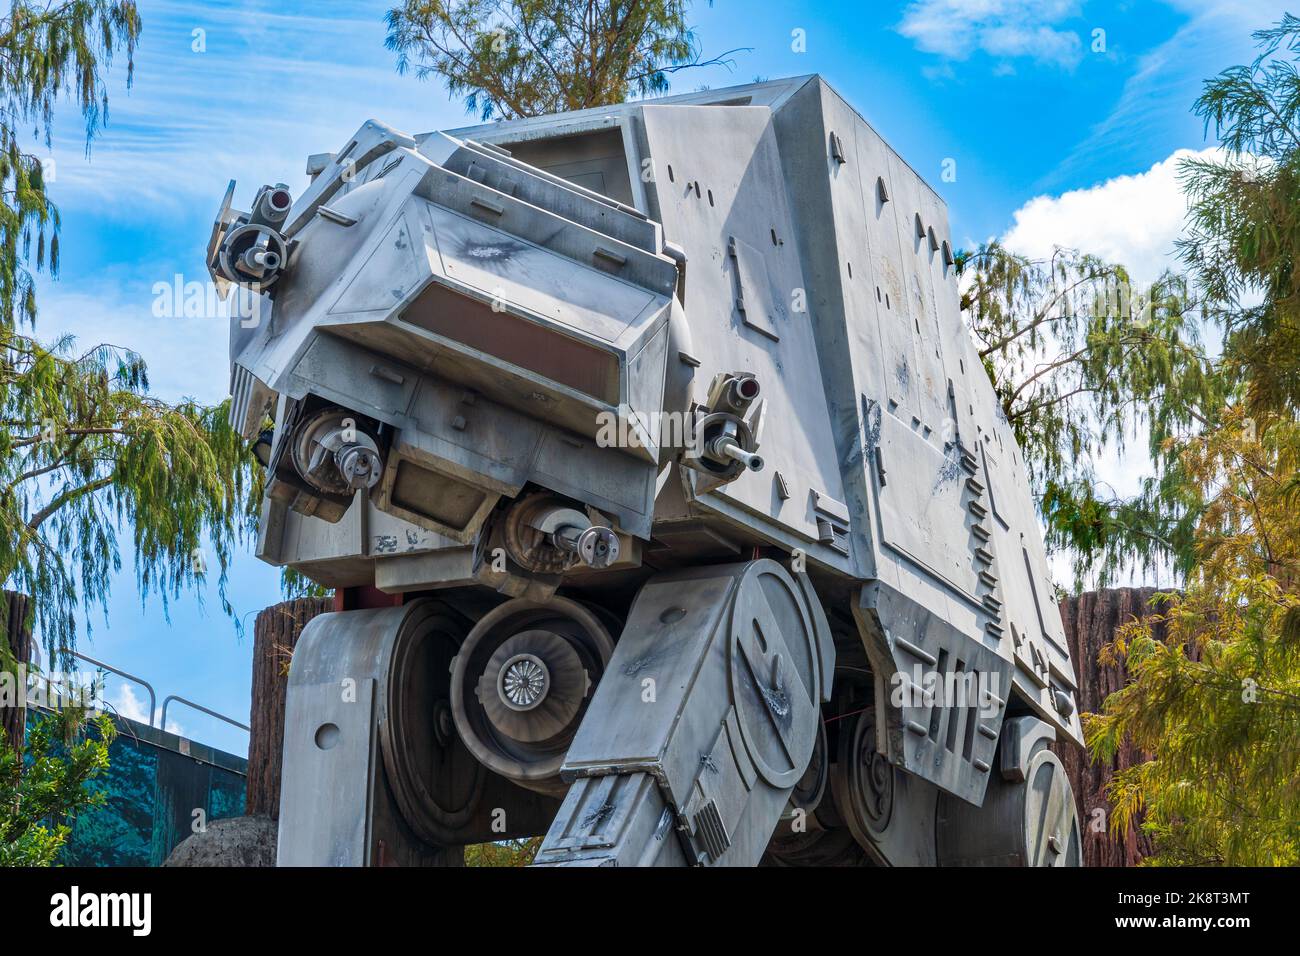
[[68, 496]]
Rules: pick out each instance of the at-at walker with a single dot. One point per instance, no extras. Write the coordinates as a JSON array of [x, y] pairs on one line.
[[670, 510]]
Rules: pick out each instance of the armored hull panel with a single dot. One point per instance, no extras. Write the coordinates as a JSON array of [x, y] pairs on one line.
[[486, 300]]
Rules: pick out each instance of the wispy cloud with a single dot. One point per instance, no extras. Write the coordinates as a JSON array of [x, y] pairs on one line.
[[128, 704], [246, 90], [238, 89], [172, 322], [1157, 99], [1003, 29]]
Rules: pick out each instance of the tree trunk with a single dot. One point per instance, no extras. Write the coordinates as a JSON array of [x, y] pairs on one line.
[[18, 639], [1090, 621], [275, 634]]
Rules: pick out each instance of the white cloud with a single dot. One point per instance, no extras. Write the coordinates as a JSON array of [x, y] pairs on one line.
[[126, 703], [1001, 28], [1132, 220]]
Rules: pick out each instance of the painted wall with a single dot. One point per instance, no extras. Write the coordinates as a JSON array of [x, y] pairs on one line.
[[157, 783]]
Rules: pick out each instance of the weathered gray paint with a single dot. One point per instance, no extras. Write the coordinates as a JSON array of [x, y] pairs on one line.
[[765, 229]]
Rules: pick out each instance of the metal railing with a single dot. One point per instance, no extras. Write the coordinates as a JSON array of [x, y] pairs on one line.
[[199, 707], [153, 698]]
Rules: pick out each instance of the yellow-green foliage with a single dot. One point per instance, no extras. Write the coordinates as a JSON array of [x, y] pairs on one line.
[[503, 853], [85, 452], [1218, 700], [47, 50]]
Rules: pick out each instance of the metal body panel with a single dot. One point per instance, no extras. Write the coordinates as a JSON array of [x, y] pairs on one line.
[[713, 694], [927, 450], [362, 685], [482, 303], [741, 306]]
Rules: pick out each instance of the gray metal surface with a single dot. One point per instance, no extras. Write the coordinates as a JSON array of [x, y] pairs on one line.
[[1028, 817], [713, 694], [460, 315], [374, 773]]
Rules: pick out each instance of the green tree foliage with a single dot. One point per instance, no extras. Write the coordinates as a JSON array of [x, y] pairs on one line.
[[46, 50], [1245, 217], [1079, 359], [85, 451], [517, 58], [1218, 701], [503, 853], [41, 794]]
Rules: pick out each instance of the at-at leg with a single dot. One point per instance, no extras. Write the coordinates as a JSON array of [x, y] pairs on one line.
[[374, 771], [706, 718]]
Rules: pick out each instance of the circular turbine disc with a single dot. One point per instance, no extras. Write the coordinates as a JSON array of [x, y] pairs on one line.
[[527, 745], [559, 700]]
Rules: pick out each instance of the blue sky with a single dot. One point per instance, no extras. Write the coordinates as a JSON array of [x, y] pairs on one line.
[[1059, 134]]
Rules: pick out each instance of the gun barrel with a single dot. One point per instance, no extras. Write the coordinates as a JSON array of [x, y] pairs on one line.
[[271, 207], [730, 448]]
